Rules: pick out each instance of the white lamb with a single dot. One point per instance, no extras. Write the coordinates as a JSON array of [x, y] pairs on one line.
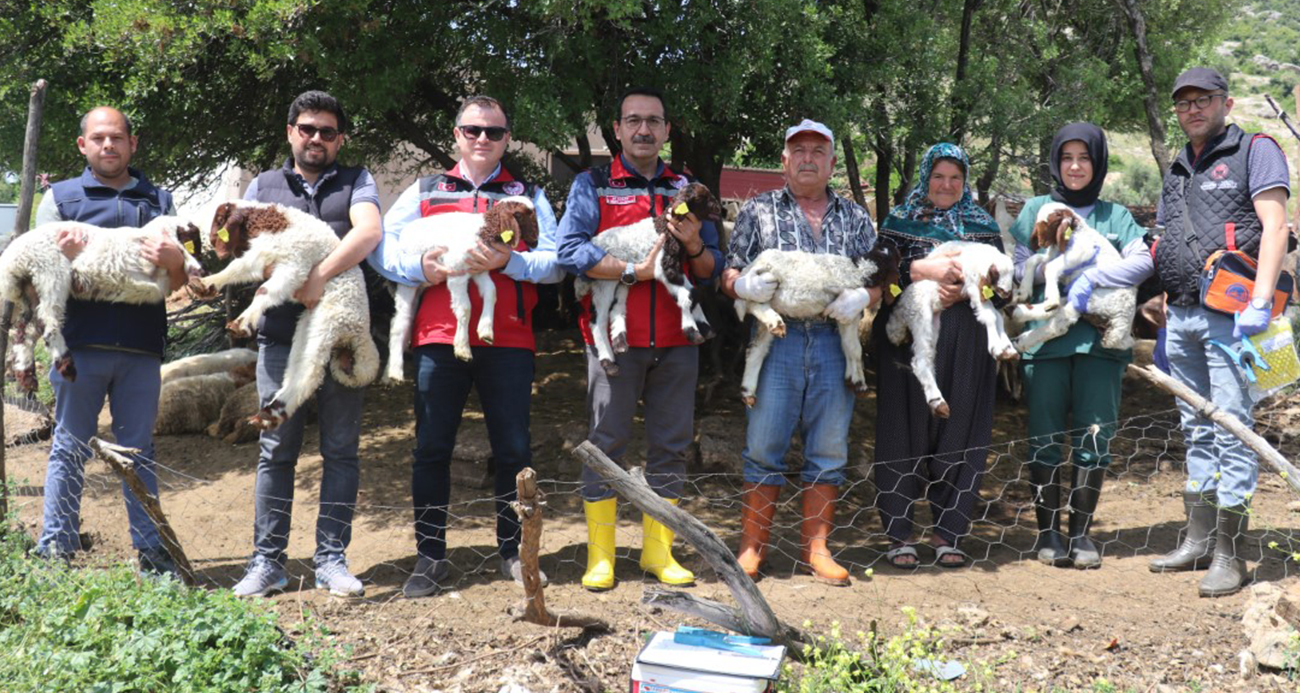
[[1071, 247], [207, 364], [336, 333], [986, 272], [806, 284], [632, 243], [510, 220], [38, 279]]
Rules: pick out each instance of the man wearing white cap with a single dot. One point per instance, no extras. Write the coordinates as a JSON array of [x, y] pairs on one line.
[[802, 386]]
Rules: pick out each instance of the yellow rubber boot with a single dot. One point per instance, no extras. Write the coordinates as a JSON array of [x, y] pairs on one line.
[[601, 516], [657, 553]]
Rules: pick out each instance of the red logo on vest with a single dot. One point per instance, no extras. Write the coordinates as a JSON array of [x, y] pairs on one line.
[[447, 186], [618, 183], [620, 200], [1220, 172], [514, 187]]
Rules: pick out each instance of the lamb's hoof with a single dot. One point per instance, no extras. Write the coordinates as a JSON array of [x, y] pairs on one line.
[[860, 389], [619, 343], [485, 338], [66, 368], [1008, 353], [270, 417], [939, 409], [749, 400], [238, 329], [464, 354], [200, 289], [779, 331], [693, 336], [707, 331], [27, 380], [611, 368]]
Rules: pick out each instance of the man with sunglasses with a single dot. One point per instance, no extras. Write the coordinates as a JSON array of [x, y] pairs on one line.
[[1226, 189], [501, 372], [117, 346], [660, 365], [347, 199]]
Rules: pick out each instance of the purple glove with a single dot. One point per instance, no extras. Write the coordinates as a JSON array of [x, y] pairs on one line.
[[1080, 292], [1251, 320], [1158, 353]]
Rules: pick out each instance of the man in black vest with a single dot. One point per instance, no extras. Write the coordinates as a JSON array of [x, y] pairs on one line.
[[346, 198], [118, 347], [1226, 190]]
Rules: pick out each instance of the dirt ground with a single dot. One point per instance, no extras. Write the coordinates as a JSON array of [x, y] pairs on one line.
[[1037, 627]]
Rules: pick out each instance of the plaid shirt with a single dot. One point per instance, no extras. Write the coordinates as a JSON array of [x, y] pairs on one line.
[[774, 220]]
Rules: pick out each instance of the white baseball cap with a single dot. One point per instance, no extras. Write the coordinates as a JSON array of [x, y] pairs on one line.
[[810, 126]]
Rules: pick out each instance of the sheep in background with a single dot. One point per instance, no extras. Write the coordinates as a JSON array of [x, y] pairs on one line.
[[189, 404], [233, 426], [987, 272], [205, 364], [632, 243], [509, 221], [334, 334], [37, 278], [806, 284]]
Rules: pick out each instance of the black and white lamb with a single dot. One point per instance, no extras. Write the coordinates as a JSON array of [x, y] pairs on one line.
[[1070, 246], [38, 279], [632, 243], [806, 284], [336, 333], [508, 221], [987, 272]]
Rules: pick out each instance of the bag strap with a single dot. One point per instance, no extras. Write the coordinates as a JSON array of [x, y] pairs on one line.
[[1230, 235]]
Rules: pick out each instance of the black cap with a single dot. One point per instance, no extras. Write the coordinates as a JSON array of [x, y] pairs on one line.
[[1202, 78]]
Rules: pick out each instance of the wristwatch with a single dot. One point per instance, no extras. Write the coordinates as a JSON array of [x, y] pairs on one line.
[[1260, 304], [629, 275]]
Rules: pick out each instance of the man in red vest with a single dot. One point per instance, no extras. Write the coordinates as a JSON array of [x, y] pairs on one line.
[[660, 366], [501, 372]]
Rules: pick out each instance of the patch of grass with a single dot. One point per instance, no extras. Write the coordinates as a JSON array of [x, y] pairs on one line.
[[111, 630]]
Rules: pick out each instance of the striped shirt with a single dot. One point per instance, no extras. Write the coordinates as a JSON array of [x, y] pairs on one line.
[[774, 220]]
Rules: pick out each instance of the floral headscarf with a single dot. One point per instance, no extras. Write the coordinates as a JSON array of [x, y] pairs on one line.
[[950, 222]]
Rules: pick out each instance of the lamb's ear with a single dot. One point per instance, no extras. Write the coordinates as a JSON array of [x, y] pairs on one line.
[[526, 223], [219, 236], [1063, 231], [1040, 230]]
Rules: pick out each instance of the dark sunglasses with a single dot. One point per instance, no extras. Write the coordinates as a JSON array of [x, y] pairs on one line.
[[494, 132], [310, 131]]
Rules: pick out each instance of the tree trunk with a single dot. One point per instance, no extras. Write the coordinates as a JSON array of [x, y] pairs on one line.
[[1150, 93], [985, 182], [851, 168], [961, 104], [906, 175], [884, 148]]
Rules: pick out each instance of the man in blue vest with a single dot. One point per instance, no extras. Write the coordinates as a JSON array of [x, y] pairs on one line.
[[347, 199], [118, 347], [1226, 189], [501, 372]]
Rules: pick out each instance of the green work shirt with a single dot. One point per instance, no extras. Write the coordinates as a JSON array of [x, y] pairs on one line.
[[1118, 226]]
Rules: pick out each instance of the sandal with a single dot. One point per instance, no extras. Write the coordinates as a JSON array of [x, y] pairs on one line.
[[903, 556], [946, 556]]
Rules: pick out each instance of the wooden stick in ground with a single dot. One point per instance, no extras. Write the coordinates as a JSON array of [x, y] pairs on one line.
[[528, 507], [756, 616], [1229, 422], [27, 191], [118, 459]]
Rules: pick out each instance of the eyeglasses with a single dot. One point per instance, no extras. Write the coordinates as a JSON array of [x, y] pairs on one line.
[[310, 131], [493, 132], [1201, 102], [635, 122]]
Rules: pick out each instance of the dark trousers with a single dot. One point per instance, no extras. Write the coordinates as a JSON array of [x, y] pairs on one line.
[[503, 377]]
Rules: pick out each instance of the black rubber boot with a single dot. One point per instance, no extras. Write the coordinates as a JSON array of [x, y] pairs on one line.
[[1050, 546], [1197, 548], [1084, 496], [1228, 569]]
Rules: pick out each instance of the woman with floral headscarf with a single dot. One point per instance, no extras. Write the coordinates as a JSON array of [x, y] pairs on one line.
[[915, 452], [1072, 383]]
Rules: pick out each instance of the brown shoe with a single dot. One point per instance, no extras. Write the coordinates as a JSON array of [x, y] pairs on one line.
[[759, 506], [818, 518]]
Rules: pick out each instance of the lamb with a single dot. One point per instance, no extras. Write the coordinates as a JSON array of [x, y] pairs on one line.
[[510, 220], [632, 243], [986, 272], [1071, 247], [334, 334], [188, 404], [38, 279], [206, 364], [233, 426], [806, 284]]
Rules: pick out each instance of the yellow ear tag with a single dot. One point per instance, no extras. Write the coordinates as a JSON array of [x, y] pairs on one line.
[[988, 293], [681, 209], [507, 236], [223, 234], [189, 247], [1068, 232], [895, 290]]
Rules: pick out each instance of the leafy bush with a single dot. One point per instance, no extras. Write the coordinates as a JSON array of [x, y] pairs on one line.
[[110, 630], [1139, 184]]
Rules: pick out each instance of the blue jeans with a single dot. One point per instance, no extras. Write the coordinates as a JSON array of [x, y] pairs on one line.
[[339, 416], [801, 388], [131, 382], [1217, 461], [503, 377]]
